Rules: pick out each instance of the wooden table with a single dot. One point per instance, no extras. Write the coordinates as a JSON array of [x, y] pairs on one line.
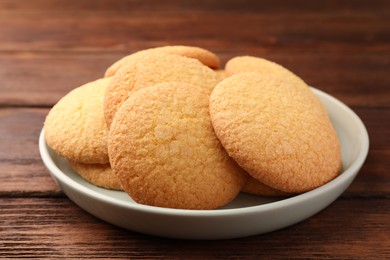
[[49, 47]]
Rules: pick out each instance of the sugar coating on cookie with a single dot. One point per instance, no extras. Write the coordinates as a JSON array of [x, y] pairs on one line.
[[150, 70], [277, 131], [75, 127], [100, 175], [204, 56], [255, 187], [164, 150], [242, 64]]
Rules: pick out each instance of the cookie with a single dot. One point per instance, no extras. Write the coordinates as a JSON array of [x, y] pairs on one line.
[[204, 56], [242, 64], [163, 148], [150, 70], [221, 74], [100, 175], [255, 187], [75, 127], [279, 132]]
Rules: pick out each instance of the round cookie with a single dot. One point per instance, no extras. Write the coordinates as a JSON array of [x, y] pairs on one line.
[[75, 127], [242, 64], [98, 174], [277, 131], [164, 150], [150, 70], [204, 56], [255, 187]]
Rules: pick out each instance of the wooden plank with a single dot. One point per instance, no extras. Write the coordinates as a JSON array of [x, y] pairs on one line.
[[48, 47], [41, 79], [57, 228], [22, 171], [139, 25], [374, 172], [21, 168], [277, 6]]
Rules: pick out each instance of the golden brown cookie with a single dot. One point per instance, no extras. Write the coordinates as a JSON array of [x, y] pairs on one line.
[[150, 70], [204, 56], [277, 131], [242, 64], [221, 74], [255, 187], [98, 174], [75, 127], [164, 150]]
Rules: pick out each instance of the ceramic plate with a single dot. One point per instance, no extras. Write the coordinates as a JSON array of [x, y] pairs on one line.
[[244, 216]]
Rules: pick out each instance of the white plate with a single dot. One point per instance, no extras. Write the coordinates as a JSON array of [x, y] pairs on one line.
[[246, 215]]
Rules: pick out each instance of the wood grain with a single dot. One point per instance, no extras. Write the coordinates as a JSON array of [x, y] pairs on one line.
[[21, 168], [41, 79], [278, 6], [57, 228], [33, 48], [48, 47], [279, 28]]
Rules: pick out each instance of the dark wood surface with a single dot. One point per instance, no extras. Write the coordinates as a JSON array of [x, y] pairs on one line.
[[49, 47]]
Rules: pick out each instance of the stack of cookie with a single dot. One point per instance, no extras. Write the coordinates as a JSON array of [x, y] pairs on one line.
[[171, 129]]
